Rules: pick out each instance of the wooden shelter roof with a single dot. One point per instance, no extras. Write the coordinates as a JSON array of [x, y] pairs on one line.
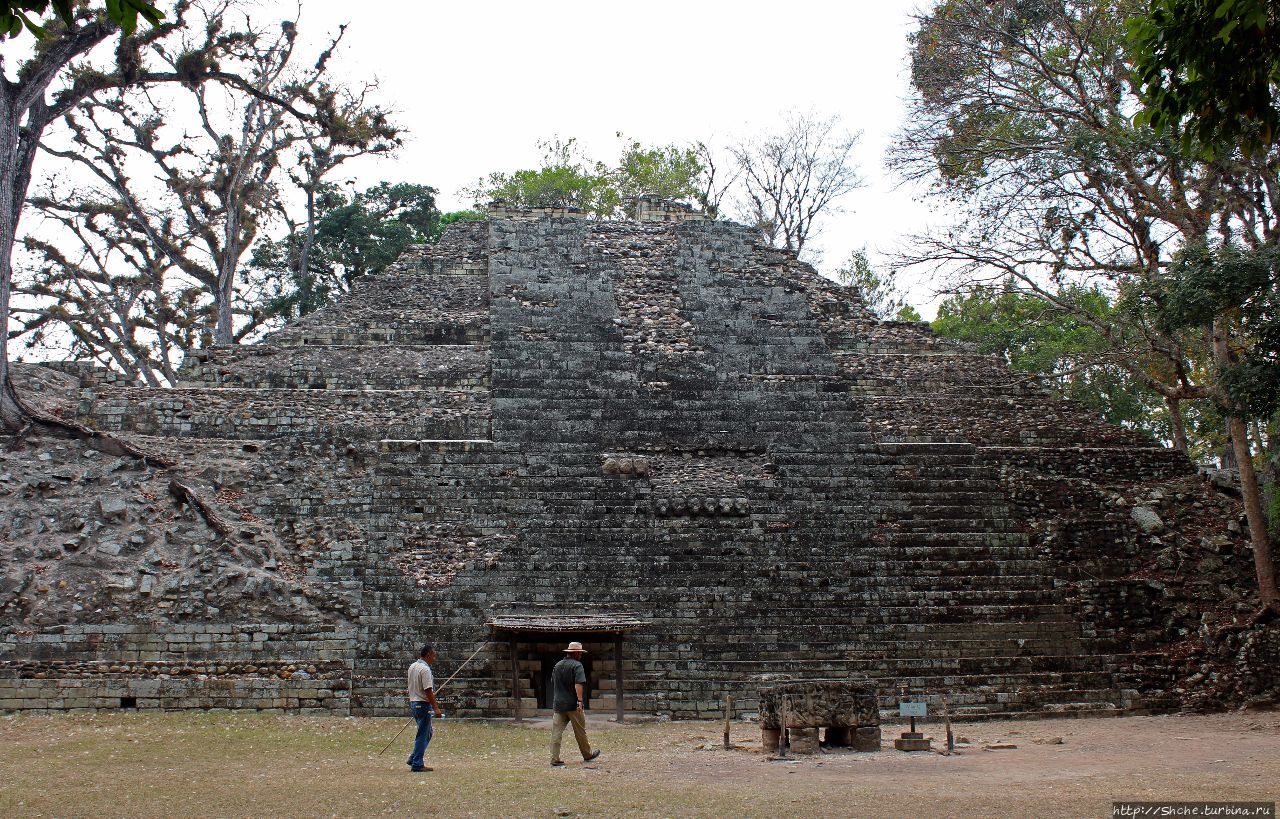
[[608, 622]]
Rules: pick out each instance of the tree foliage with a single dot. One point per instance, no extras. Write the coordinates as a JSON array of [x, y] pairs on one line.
[[782, 183], [669, 172], [567, 178], [143, 264], [564, 179], [1241, 286], [1209, 70], [1032, 335], [878, 289], [1021, 119], [351, 239], [16, 15]]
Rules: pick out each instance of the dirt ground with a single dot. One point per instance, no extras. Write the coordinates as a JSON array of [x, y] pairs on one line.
[[228, 764]]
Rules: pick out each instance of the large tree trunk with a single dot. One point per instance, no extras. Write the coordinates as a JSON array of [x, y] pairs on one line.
[[304, 255], [1177, 426], [226, 282], [1258, 536], [1249, 490], [12, 416], [223, 330]]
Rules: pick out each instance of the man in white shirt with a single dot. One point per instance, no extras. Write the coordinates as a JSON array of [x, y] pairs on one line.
[[422, 704]]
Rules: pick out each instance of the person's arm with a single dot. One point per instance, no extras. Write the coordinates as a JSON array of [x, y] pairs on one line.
[[581, 694], [431, 698]]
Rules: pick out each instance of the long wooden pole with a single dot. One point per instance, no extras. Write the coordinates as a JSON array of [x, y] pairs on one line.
[[438, 690]]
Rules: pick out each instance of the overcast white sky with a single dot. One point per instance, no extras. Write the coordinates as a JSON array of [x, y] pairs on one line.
[[478, 84]]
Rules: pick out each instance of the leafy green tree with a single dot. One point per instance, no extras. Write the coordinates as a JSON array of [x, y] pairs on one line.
[[352, 239], [566, 178], [453, 217], [1210, 70], [878, 289], [1236, 291], [670, 171], [1021, 118], [1032, 335], [15, 15], [1241, 288]]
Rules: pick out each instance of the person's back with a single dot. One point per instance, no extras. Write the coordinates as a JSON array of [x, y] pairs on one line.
[[568, 691], [564, 677]]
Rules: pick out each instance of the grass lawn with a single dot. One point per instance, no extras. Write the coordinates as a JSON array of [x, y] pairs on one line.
[[229, 764]]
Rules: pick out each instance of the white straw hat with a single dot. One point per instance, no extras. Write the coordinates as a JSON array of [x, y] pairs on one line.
[[576, 646]]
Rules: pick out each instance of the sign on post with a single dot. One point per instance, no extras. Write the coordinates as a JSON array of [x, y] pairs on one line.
[[911, 709], [912, 740]]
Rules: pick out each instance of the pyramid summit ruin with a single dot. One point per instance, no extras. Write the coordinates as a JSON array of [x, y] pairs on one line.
[[659, 437]]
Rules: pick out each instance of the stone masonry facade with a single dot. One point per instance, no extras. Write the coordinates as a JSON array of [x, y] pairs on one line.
[[662, 417]]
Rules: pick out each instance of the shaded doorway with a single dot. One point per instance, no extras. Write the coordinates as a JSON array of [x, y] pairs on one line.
[[535, 643]]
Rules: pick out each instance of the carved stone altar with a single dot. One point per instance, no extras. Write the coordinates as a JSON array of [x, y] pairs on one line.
[[847, 710]]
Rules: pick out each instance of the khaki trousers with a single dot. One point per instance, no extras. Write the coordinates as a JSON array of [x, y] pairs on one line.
[[558, 721]]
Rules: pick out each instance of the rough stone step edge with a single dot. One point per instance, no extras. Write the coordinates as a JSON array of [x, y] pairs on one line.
[[164, 393]]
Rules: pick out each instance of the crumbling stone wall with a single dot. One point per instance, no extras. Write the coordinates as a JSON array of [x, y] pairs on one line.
[[176, 666]]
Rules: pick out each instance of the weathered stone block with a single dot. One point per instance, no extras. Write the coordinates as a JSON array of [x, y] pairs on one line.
[[819, 703]]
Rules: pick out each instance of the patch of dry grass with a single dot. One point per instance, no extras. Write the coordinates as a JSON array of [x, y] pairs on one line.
[[228, 764]]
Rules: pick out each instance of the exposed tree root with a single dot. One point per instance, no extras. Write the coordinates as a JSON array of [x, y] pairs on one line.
[[101, 441], [186, 494], [1260, 616]]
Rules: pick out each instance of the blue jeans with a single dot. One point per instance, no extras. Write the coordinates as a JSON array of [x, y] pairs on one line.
[[421, 712]]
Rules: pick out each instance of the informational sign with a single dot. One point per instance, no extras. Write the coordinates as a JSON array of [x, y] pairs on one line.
[[911, 709]]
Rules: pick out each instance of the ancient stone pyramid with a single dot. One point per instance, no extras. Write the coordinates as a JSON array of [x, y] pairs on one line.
[[656, 423]]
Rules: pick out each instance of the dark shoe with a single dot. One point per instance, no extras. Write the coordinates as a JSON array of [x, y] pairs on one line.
[[421, 769], [557, 764], [594, 755]]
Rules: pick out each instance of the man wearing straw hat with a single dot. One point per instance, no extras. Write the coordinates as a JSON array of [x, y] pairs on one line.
[[567, 681]]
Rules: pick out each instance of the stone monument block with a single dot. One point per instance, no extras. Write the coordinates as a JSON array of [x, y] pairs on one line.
[[847, 710]]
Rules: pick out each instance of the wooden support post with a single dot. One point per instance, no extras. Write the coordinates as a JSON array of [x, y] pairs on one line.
[[782, 726], [515, 680], [728, 715], [618, 683]]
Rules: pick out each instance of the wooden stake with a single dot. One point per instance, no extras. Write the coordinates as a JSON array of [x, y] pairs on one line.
[[946, 715], [728, 715]]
